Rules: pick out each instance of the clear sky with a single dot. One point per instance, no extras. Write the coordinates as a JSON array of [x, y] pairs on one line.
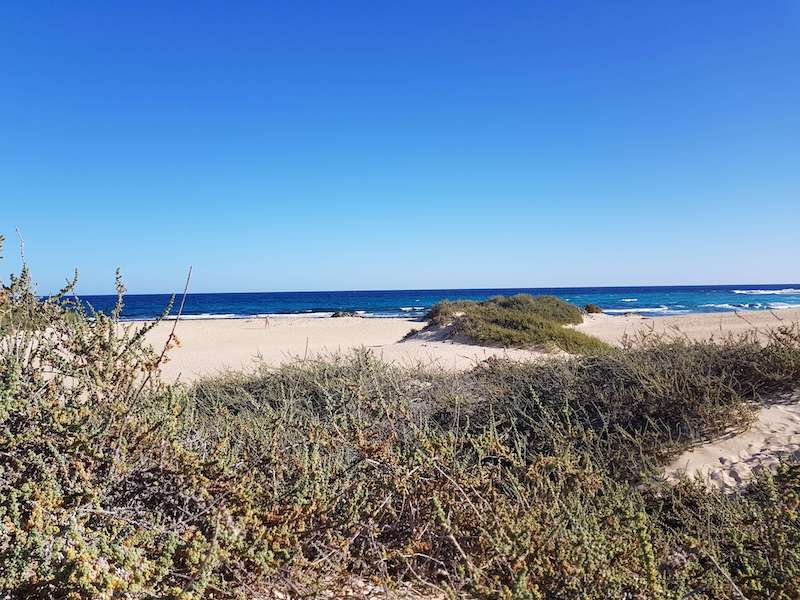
[[374, 145]]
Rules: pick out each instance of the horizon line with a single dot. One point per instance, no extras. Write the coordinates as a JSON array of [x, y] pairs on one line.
[[476, 289]]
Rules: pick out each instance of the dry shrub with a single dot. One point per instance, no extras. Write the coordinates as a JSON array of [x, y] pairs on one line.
[[509, 481]]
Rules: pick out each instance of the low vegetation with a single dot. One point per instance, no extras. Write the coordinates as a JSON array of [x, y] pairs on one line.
[[520, 321], [507, 481]]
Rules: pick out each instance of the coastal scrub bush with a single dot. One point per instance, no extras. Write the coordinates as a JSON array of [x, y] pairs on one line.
[[511, 480], [644, 403], [521, 320], [548, 308], [20, 308], [592, 309], [508, 482], [100, 496]]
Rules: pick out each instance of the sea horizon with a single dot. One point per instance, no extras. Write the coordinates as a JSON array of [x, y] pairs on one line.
[[657, 300]]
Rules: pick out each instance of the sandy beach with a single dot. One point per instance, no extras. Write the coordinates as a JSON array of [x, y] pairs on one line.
[[698, 326], [213, 345], [400, 302]]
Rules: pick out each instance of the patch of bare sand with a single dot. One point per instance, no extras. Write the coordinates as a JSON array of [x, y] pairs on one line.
[[733, 460], [214, 345], [208, 346], [612, 328]]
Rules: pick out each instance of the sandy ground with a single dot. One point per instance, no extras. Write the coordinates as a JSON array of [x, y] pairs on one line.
[[696, 326], [210, 346]]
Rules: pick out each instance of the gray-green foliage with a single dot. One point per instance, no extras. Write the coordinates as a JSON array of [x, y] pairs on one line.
[[521, 320], [508, 481], [520, 480]]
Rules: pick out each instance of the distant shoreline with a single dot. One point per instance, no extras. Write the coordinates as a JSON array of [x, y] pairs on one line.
[[612, 314], [652, 301]]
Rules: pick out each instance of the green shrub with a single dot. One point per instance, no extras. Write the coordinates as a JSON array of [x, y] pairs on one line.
[[548, 308], [517, 321], [21, 308]]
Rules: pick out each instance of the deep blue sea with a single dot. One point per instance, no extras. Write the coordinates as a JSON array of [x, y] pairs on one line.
[[653, 301]]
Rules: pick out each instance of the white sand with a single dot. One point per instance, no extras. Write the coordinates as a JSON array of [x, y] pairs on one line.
[[208, 346], [213, 345], [696, 326]]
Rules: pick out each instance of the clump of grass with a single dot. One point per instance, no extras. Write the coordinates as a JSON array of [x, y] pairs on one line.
[[547, 308], [647, 401], [511, 480], [518, 321]]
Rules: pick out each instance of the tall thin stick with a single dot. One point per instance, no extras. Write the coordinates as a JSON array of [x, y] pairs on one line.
[[169, 339], [177, 317]]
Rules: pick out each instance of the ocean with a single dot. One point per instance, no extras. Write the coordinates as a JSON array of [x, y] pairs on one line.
[[651, 301]]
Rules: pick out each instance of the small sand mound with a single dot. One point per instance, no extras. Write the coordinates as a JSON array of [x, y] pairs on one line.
[[732, 461]]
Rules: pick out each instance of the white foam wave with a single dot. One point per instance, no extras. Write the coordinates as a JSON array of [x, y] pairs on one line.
[[725, 306], [783, 292], [782, 305], [646, 309], [204, 316], [304, 315], [630, 300], [296, 315]]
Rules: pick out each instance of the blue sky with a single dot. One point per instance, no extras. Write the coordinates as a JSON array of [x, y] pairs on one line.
[[376, 145]]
